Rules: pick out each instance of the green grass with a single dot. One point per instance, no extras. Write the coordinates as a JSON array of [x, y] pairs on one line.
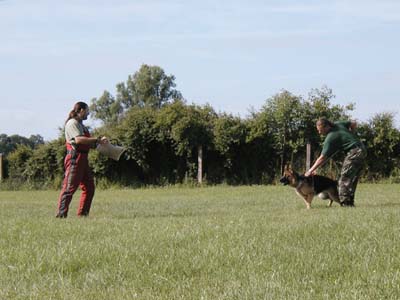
[[201, 243]]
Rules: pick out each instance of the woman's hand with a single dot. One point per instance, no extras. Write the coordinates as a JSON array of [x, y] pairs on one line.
[[103, 140]]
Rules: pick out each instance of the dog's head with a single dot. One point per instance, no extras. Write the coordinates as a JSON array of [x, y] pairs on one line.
[[289, 177]]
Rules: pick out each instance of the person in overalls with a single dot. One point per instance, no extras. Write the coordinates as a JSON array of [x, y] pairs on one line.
[[76, 164], [340, 137]]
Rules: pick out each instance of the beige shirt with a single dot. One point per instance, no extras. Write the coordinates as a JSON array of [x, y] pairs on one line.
[[73, 128]]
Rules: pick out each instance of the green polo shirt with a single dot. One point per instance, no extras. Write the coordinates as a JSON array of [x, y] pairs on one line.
[[340, 138]]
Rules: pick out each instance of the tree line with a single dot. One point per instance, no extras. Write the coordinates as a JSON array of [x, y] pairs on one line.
[[163, 134]]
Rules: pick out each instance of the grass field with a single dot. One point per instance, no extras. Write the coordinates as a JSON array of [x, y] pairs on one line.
[[201, 243]]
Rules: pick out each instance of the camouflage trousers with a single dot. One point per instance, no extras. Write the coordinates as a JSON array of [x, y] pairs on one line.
[[350, 174]]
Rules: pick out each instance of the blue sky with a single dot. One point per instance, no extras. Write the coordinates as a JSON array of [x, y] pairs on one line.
[[232, 54]]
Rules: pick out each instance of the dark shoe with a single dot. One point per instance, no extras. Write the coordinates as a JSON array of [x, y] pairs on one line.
[[347, 204], [83, 213], [61, 216]]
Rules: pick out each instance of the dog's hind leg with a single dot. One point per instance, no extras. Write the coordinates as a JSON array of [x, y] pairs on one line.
[[326, 195], [333, 196]]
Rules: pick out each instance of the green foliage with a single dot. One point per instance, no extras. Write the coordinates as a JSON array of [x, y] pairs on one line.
[[137, 133], [382, 140], [321, 105], [283, 114], [185, 126], [229, 131], [163, 136], [10, 143], [17, 162], [289, 122], [106, 108], [16, 151], [41, 167], [230, 144], [45, 166], [148, 87], [161, 143]]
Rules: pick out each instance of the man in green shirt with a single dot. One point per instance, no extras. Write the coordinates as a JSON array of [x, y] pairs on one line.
[[340, 137]]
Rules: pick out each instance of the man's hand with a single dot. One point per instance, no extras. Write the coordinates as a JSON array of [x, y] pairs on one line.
[[313, 170], [308, 173]]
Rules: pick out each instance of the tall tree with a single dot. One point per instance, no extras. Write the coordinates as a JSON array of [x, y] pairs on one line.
[[148, 87], [282, 115], [106, 108]]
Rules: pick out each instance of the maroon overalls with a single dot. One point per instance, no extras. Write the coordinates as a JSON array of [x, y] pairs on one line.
[[77, 174]]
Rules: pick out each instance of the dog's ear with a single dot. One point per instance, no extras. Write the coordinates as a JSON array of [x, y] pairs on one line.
[[286, 170]]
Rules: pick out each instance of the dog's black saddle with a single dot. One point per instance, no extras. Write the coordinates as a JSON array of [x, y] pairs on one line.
[[318, 182]]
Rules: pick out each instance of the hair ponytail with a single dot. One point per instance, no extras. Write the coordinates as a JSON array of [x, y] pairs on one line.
[[77, 108]]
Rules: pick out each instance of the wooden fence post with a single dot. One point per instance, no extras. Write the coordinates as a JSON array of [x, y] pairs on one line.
[[1, 167], [200, 164]]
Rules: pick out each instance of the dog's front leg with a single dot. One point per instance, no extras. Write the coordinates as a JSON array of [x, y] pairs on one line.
[[308, 199], [330, 203]]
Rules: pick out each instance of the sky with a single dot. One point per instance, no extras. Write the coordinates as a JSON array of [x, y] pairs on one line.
[[231, 54]]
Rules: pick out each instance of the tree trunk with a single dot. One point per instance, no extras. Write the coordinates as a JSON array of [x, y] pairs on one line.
[[283, 155], [308, 156]]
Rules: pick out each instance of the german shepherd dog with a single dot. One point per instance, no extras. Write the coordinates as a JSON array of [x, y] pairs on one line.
[[308, 187]]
